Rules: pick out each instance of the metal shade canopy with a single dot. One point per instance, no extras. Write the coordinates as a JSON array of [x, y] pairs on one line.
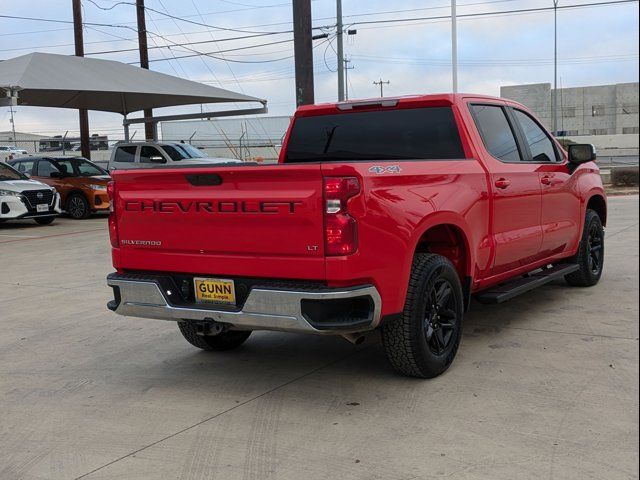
[[61, 81]]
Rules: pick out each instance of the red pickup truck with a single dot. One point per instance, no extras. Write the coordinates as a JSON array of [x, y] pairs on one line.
[[384, 215]]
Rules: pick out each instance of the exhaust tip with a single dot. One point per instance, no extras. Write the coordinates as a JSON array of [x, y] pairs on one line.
[[355, 338]]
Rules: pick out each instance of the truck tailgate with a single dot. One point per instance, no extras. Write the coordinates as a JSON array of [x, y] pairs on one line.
[[229, 220]]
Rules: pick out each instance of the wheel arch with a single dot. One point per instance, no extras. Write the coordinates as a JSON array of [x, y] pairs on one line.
[[72, 192], [446, 234], [598, 203]]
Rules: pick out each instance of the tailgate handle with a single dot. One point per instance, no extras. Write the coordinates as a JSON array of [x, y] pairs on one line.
[[204, 179]]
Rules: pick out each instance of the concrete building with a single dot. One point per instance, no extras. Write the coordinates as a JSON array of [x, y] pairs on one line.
[[595, 110]]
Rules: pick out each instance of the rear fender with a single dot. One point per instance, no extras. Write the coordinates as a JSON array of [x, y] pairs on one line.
[[434, 220]]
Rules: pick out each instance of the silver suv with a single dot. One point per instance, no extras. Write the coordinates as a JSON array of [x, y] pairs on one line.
[[152, 154]]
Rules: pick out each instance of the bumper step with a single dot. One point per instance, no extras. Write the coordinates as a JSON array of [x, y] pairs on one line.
[[512, 289]]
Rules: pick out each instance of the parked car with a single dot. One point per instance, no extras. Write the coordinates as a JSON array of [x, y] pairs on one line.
[[22, 198], [81, 183], [9, 152], [387, 214], [150, 154]]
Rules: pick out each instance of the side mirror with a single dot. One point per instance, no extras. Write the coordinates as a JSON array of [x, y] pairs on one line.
[[582, 153], [157, 159], [56, 175]]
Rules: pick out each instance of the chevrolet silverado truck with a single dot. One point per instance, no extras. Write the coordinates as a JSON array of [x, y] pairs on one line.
[[383, 215]]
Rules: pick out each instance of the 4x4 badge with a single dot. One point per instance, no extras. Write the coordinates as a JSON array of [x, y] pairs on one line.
[[379, 169]]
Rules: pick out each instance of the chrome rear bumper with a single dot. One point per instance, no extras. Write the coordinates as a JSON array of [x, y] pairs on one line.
[[264, 308]]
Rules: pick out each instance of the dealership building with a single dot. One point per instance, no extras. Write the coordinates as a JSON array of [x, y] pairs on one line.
[[595, 110]]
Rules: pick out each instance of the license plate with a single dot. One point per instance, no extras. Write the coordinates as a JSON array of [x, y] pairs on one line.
[[43, 207], [214, 290]]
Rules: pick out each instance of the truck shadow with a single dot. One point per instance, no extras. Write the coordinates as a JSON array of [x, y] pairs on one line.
[[283, 355]]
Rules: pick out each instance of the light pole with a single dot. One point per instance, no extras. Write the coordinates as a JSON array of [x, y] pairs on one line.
[[555, 67], [454, 46]]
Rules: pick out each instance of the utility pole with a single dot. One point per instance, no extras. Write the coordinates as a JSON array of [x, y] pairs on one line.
[[303, 51], [382, 84], [83, 115], [150, 129], [454, 46], [340, 42], [346, 78], [555, 68]]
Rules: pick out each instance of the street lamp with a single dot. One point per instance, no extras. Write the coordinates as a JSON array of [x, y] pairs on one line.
[[555, 67]]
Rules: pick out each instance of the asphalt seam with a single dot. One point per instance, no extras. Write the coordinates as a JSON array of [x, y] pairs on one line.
[[55, 235], [224, 412], [623, 230], [74, 288], [541, 330]]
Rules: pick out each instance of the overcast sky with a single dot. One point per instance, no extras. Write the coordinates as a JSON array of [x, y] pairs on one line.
[[597, 45]]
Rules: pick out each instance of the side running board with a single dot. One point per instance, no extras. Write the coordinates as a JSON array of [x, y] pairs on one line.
[[513, 288]]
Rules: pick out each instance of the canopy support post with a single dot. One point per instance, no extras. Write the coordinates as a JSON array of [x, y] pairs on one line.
[[126, 129]]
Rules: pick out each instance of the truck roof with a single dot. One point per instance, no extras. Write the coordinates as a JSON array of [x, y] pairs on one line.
[[436, 99], [152, 143]]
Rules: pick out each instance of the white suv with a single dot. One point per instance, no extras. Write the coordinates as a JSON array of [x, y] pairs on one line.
[[22, 198], [8, 152]]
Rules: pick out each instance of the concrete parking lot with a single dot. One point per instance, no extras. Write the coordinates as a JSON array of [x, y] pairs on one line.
[[545, 386]]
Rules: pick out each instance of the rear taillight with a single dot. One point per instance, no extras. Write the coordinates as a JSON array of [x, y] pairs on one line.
[[113, 225], [340, 228]]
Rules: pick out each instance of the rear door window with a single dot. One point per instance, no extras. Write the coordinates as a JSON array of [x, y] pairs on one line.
[[125, 154], [541, 146], [46, 168], [400, 134], [497, 135]]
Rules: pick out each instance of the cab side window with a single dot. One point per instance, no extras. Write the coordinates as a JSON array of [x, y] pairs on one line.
[[497, 135], [541, 146], [147, 152]]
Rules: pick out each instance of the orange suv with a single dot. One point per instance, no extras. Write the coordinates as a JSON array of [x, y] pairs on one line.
[[81, 183]]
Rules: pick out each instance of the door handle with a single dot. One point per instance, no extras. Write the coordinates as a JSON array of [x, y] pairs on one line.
[[546, 181], [503, 183]]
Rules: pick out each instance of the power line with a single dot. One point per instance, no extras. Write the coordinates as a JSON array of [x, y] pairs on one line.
[[498, 13], [174, 17]]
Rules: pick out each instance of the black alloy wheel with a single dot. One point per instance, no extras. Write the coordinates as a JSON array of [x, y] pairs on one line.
[[595, 245], [441, 317], [78, 207]]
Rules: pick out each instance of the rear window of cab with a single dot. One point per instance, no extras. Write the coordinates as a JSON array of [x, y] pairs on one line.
[[400, 134]]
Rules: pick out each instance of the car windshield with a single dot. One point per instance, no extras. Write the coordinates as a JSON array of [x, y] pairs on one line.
[[191, 151], [9, 173], [176, 154], [88, 169]]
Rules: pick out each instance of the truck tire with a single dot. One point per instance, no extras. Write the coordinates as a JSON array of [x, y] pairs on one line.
[[223, 341], [590, 256], [78, 206], [425, 339]]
